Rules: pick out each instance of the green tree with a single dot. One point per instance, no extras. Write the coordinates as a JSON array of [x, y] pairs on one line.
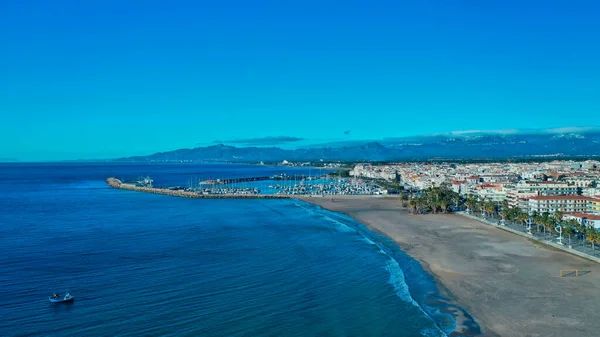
[[558, 216], [592, 236], [490, 208], [522, 216], [505, 205], [471, 203], [414, 204], [545, 220], [569, 228], [403, 199]]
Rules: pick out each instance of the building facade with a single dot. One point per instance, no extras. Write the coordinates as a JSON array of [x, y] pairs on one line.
[[585, 219], [562, 203]]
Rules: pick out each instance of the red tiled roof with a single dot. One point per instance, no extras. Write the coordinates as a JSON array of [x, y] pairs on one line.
[[584, 215]]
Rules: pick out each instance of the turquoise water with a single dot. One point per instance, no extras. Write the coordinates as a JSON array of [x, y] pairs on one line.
[[144, 264]]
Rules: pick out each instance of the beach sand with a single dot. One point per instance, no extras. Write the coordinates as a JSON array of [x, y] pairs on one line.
[[509, 284]]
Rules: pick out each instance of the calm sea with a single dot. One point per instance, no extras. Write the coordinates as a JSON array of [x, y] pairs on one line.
[[151, 265]]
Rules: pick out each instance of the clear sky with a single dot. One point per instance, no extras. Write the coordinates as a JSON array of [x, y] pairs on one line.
[[102, 79]]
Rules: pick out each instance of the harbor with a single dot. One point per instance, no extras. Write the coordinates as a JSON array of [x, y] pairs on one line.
[[276, 187]]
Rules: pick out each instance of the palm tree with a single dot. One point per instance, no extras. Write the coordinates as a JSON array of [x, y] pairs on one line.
[[444, 203], [489, 207], [592, 236], [404, 199], [471, 203], [413, 204], [545, 221], [569, 228], [581, 230], [538, 220], [558, 216], [596, 236], [522, 216]]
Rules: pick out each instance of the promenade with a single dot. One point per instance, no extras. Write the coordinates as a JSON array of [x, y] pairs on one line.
[[573, 246]]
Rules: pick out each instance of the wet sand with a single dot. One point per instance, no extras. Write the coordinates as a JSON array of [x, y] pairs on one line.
[[510, 285]]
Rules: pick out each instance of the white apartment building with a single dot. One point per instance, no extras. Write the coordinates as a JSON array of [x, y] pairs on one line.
[[592, 192], [494, 195], [546, 188], [515, 197], [585, 219], [563, 203], [581, 182]]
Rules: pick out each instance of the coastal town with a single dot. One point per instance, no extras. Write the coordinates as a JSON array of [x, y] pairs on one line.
[[569, 187], [519, 231]]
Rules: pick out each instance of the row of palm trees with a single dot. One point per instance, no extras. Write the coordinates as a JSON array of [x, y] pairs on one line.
[[433, 200], [442, 198], [545, 222]]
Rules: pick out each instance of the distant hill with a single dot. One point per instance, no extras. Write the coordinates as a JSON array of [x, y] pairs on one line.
[[471, 146]]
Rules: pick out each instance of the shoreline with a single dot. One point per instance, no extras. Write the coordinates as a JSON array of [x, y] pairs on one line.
[[443, 300], [509, 285], [466, 323]]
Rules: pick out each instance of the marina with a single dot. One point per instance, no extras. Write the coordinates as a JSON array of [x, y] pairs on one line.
[[280, 186]]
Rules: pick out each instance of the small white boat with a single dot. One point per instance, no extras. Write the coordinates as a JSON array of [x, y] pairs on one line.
[[55, 298]]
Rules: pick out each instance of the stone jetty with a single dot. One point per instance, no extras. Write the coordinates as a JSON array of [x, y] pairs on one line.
[[116, 183]]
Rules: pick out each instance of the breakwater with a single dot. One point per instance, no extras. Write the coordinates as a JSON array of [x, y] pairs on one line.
[[116, 183]]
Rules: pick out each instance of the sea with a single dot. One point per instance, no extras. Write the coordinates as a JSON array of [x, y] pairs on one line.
[[153, 265]]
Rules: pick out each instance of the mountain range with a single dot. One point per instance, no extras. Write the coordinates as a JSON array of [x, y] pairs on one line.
[[452, 146]]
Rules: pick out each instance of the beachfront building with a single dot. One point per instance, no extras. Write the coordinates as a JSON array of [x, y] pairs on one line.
[[495, 195], [493, 192], [584, 218], [522, 204], [563, 203], [459, 186], [515, 196], [546, 188], [593, 192], [594, 206]]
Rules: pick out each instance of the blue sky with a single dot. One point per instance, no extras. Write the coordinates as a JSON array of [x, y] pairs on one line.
[[102, 79]]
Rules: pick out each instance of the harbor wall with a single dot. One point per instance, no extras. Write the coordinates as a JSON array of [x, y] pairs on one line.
[[116, 183]]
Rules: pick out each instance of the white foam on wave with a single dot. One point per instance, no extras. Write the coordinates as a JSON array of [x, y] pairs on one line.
[[432, 333], [397, 278], [367, 240], [340, 225], [398, 281], [308, 210]]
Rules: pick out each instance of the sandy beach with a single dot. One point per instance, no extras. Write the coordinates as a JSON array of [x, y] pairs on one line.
[[510, 285]]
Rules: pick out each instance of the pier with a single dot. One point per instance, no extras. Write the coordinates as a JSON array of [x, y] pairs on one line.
[[116, 183]]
